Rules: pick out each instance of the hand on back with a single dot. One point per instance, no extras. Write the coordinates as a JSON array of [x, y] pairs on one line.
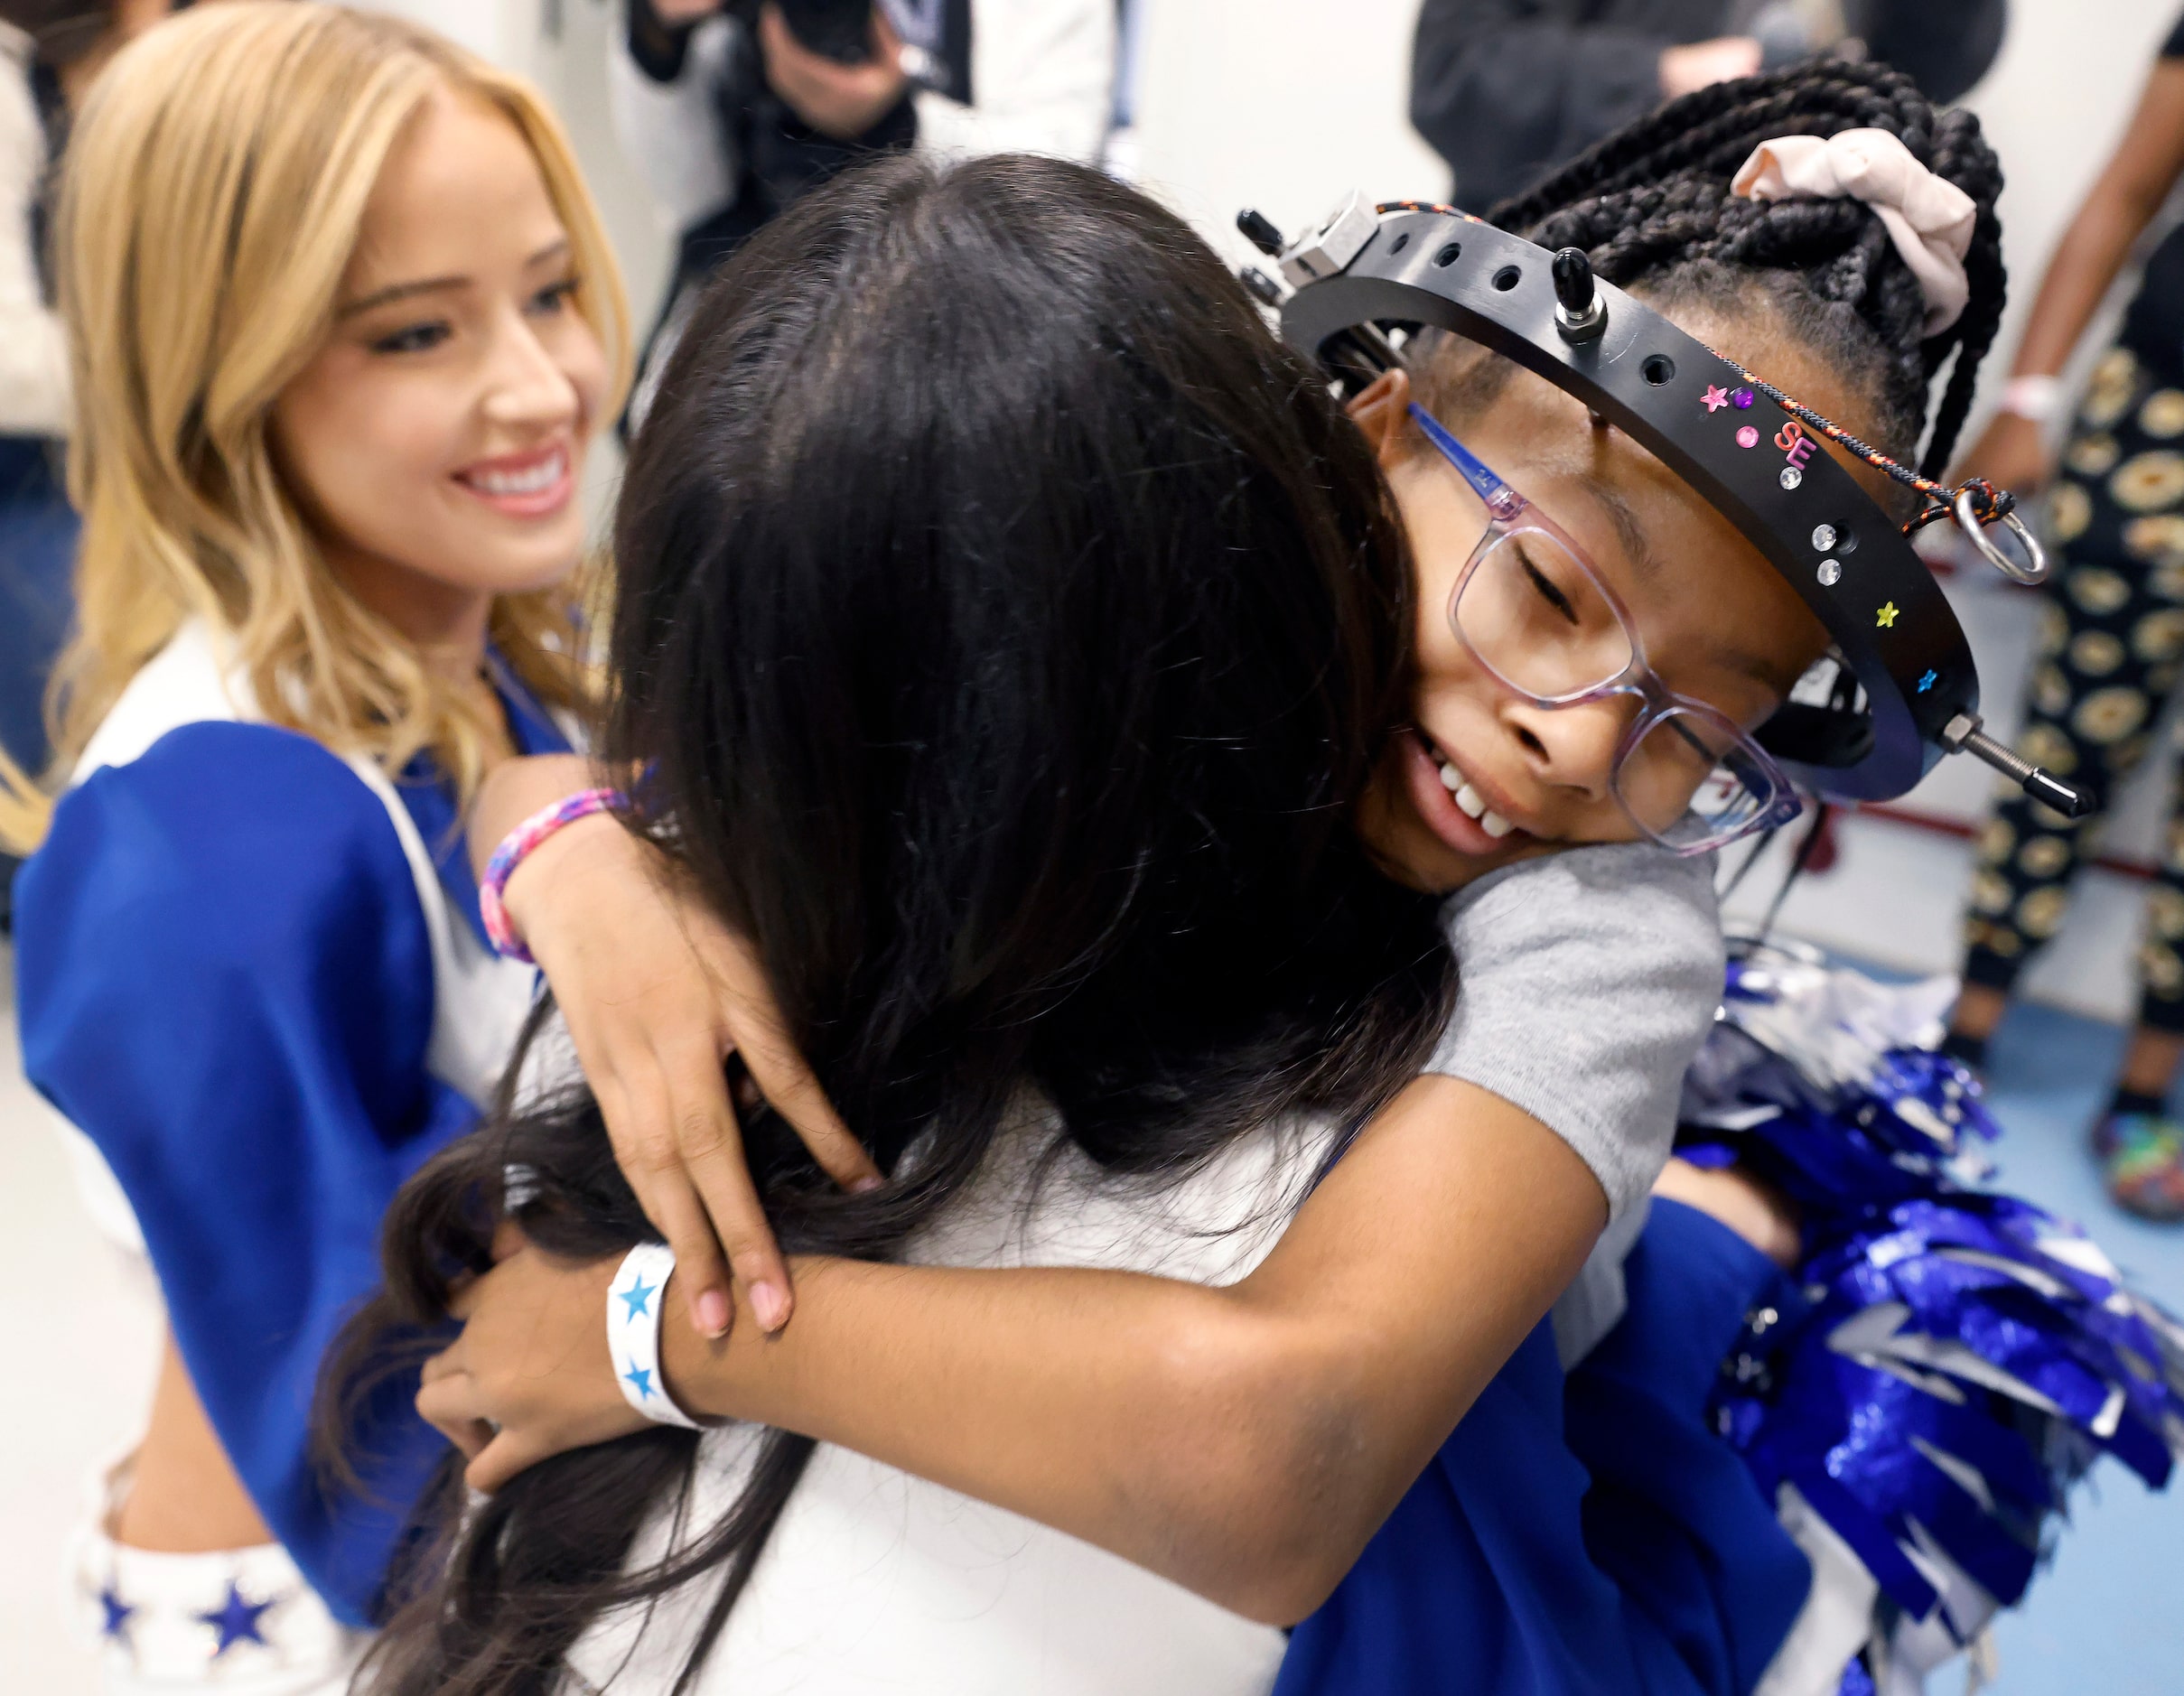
[[1755, 1210], [657, 993], [531, 1377]]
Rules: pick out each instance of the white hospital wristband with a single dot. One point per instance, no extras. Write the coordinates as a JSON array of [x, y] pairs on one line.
[[2037, 399], [633, 1303]]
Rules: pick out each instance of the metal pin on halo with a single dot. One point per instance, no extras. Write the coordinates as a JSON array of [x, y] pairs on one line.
[[1963, 734], [1580, 313]]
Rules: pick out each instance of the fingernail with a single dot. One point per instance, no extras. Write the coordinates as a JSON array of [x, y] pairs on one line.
[[771, 1305], [862, 1186], [712, 1313]]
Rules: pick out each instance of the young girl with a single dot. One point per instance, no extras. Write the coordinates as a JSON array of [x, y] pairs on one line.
[[345, 324], [1013, 1389]]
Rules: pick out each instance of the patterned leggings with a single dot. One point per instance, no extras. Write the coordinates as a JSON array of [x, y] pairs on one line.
[[2111, 648]]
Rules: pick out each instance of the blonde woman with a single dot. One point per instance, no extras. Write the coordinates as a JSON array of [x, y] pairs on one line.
[[343, 324]]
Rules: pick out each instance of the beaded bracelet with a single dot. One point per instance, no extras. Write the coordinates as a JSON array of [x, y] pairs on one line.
[[517, 846]]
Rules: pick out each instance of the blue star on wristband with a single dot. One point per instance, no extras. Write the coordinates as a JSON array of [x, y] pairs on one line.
[[638, 1295]]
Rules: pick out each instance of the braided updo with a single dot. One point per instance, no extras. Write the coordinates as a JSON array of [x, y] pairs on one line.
[[1651, 207]]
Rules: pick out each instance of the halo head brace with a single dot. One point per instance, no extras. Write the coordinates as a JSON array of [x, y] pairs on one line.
[[1912, 692]]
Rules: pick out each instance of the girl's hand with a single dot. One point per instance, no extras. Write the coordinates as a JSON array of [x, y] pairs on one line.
[[656, 992], [531, 1377], [1756, 1211]]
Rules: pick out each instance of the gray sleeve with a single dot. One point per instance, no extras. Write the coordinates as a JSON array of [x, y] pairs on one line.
[[1587, 980]]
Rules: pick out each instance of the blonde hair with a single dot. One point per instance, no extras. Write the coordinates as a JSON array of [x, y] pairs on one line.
[[212, 199]]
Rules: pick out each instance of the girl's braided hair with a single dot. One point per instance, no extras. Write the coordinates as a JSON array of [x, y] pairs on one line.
[[1651, 206]]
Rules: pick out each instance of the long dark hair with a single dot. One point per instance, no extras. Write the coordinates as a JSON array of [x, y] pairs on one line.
[[1009, 625], [1652, 207]]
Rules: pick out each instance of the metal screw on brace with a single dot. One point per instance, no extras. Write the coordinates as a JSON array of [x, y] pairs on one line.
[[1265, 288], [1962, 735], [1259, 232], [1580, 313]]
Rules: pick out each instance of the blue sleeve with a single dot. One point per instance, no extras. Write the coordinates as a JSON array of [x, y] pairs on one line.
[[1587, 1536], [224, 979]]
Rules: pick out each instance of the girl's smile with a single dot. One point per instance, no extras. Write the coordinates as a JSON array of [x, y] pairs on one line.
[[1453, 805]]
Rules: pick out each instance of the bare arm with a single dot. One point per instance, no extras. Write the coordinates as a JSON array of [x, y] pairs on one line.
[[2129, 191], [1245, 1441]]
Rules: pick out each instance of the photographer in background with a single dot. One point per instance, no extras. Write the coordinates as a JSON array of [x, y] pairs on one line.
[[1505, 90], [732, 111]]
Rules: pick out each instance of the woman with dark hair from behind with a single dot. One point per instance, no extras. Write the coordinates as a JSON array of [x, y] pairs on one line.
[[1011, 686]]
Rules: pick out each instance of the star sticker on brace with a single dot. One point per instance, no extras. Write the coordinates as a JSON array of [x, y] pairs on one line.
[[636, 1295], [1716, 397], [1886, 617], [1928, 681], [641, 1377]]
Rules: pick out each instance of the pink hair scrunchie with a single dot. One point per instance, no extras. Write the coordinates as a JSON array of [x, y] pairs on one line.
[[1929, 220]]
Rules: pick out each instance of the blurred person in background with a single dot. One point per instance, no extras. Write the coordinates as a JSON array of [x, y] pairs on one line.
[[1505, 90], [2114, 625], [50, 50], [733, 110]]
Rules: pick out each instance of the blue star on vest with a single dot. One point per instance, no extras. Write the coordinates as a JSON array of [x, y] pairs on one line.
[[637, 1296], [236, 1620], [117, 1612], [641, 1377]]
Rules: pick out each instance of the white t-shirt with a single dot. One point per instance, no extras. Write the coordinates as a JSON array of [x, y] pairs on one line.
[[875, 1580]]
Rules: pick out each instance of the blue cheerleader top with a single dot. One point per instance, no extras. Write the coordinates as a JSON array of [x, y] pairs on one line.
[[253, 974]]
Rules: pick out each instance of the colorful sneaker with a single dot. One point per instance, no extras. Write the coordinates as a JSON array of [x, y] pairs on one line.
[[2141, 1157]]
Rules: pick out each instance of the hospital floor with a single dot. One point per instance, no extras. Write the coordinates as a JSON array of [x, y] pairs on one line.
[[2108, 1618]]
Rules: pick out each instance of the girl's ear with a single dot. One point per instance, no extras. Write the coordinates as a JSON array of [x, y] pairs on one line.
[[1384, 413]]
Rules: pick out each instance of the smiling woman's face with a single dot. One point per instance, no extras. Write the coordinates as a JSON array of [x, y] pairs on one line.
[[437, 439], [1718, 624]]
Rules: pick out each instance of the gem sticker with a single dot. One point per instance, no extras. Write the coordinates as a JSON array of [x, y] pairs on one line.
[[1714, 398], [1791, 477], [1824, 536], [1740, 399], [1886, 617], [1747, 437], [1830, 573], [1928, 681]]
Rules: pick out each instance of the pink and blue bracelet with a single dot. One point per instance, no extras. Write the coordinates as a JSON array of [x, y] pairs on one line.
[[518, 846]]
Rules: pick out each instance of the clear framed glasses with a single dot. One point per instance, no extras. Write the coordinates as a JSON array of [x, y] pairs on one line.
[[1534, 611]]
